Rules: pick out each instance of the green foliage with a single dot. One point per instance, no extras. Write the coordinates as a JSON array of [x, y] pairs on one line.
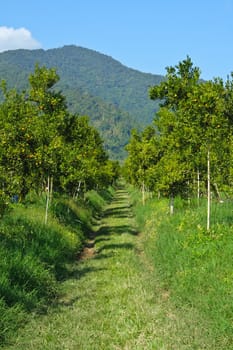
[[84, 161], [194, 119], [95, 201], [143, 152], [178, 84], [41, 140], [112, 95]]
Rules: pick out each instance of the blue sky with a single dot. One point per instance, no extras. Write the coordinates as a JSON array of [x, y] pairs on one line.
[[147, 35]]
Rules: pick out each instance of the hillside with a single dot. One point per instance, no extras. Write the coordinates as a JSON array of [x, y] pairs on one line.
[[113, 124], [115, 97]]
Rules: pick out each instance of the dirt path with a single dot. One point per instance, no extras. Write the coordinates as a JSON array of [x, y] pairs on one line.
[[89, 249], [119, 208]]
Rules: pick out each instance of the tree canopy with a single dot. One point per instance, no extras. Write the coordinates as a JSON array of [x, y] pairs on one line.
[[195, 117], [40, 138]]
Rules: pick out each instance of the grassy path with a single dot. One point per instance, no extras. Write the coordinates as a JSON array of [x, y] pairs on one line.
[[111, 299]]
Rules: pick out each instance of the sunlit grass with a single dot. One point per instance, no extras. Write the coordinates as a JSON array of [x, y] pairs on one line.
[[115, 300], [195, 266], [169, 287]]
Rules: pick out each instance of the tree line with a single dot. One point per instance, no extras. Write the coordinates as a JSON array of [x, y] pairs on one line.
[[45, 147], [190, 140]]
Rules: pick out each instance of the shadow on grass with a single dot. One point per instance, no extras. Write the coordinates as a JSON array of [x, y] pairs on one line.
[[114, 230], [102, 256], [77, 272], [116, 246], [102, 239], [123, 212], [119, 209]]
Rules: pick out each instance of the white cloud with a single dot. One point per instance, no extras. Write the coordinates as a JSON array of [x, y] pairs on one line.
[[21, 38]]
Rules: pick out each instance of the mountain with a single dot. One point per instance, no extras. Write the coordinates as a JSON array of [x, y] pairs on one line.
[[114, 96]]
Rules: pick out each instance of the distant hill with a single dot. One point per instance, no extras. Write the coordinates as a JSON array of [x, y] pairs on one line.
[[114, 96]]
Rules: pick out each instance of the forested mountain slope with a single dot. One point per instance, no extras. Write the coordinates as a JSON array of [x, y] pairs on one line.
[[115, 97], [113, 124]]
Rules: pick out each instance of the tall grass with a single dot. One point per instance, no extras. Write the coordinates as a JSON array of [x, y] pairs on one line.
[[34, 256], [194, 265]]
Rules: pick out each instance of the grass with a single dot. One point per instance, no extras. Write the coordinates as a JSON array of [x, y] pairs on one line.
[[35, 256], [116, 299], [99, 308], [195, 266]]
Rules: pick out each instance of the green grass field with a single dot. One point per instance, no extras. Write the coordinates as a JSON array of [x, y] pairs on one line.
[[193, 265], [117, 297]]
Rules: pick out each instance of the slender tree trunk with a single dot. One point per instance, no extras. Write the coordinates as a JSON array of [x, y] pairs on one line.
[[47, 201], [79, 187], [171, 205], [188, 194], [198, 187], [143, 193], [51, 189], [77, 190], [208, 190], [217, 193]]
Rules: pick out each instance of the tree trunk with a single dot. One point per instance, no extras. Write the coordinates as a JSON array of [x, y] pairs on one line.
[[208, 191], [171, 205], [143, 193], [198, 187], [49, 189], [217, 193]]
